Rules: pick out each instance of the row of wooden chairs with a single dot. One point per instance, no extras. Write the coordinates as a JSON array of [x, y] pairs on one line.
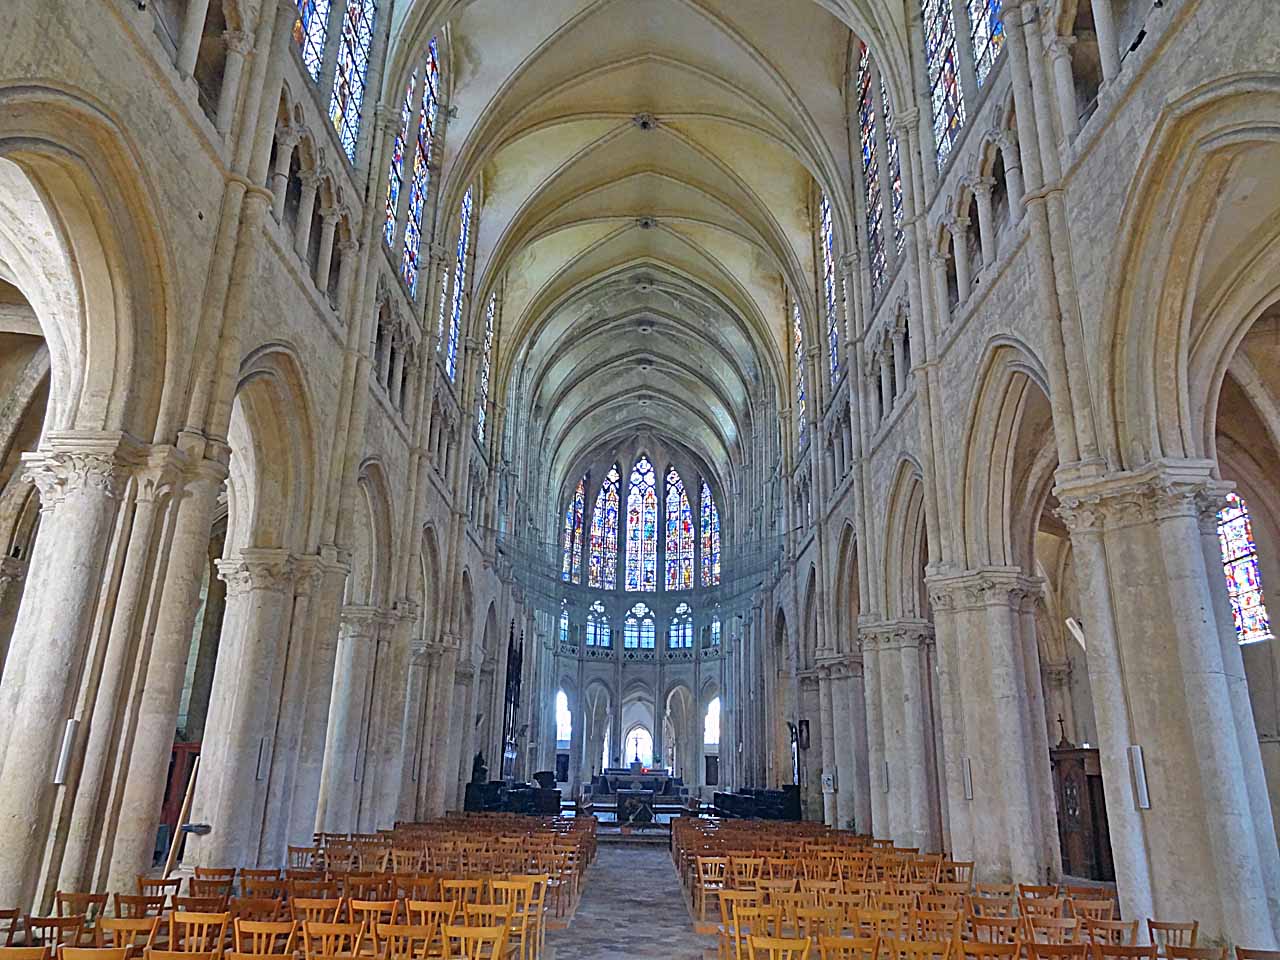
[[765, 947]]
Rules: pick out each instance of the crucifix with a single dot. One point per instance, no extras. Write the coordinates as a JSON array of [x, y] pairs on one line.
[[636, 744]]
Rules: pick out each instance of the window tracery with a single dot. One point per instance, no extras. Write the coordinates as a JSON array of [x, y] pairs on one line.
[[1240, 567], [871, 168], [459, 284], [679, 534], [638, 630], [797, 334], [946, 99], [680, 636], [395, 175], [642, 528], [710, 538], [826, 234], [350, 77], [598, 626], [604, 533], [410, 262], [986, 33], [572, 565], [482, 401], [310, 31]]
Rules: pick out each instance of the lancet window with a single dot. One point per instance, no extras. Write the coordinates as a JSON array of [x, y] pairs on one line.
[[604, 533], [680, 535], [1240, 566], [572, 565], [350, 77], [946, 98], [642, 528], [410, 263]]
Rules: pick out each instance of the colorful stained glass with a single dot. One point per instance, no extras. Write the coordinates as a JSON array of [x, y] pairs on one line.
[[986, 31], [604, 533], [797, 333], [572, 564], [482, 395], [638, 630], [680, 636], [679, 534], [894, 168], [710, 539], [946, 99], [642, 528], [871, 169], [598, 626], [395, 175], [349, 79], [459, 284], [1240, 566], [310, 31], [715, 631], [831, 304], [410, 263]]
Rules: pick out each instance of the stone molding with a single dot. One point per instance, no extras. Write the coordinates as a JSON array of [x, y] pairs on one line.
[[985, 588], [1162, 490], [257, 569], [72, 462], [895, 635]]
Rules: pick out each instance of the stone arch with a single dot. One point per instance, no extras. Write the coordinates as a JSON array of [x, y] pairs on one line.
[[810, 641], [1009, 424], [848, 592], [368, 583], [1172, 326], [273, 461], [428, 592], [80, 234], [906, 547]]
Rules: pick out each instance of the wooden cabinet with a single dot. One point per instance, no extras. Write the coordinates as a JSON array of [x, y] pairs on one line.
[[1082, 813]]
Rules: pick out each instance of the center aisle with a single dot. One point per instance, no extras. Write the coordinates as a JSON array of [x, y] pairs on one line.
[[632, 907]]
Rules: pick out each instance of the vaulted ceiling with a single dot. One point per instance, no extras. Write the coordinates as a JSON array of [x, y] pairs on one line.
[[646, 172]]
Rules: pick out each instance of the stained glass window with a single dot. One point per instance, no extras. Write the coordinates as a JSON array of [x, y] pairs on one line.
[[797, 333], [604, 533], [459, 284], [310, 31], [638, 631], [871, 168], [986, 30], [1240, 565], [395, 176], [711, 726], [642, 528], [945, 96], [598, 626], [679, 534], [715, 631], [410, 262], [482, 400], [894, 168], [564, 621], [680, 636], [828, 239], [353, 67], [572, 565], [710, 539]]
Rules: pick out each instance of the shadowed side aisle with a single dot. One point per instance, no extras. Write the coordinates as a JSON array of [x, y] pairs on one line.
[[631, 907]]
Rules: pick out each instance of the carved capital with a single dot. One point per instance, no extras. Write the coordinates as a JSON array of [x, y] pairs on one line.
[[60, 473], [238, 41], [1161, 491], [262, 570], [997, 586]]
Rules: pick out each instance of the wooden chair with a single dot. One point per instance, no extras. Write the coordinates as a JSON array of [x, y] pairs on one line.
[[711, 882], [815, 922], [154, 954], [1031, 891], [754, 922], [517, 894], [474, 943], [972, 950], [260, 910], [791, 904], [1092, 909], [1105, 951], [265, 937], [210, 888], [227, 874], [200, 904], [139, 906], [401, 941], [372, 912], [879, 923], [1172, 933], [898, 949], [995, 929], [91, 906], [306, 910], [92, 953], [197, 932], [730, 901], [848, 948], [54, 931], [462, 892], [25, 953], [1246, 953], [779, 948], [1118, 933], [9, 924], [1039, 929], [1198, 953], [159, 887], [265, 873], [330, 939], [264, 888], [744, 872], [943, 901], [303, 856], [134, 935], [1058, 951], [1006, 891]]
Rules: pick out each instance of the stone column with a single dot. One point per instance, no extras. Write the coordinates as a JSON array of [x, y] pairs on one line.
[[389, 712], [886, 384], [81, 481], [877, 771], [986, 225], [238, 45], [324, 259], [157, 711], [1160, 684], [235, 761], [958, 226], [917, 743], [1104, 25], [938, 272], [843, 735], [286, 143], [900, 371], [442, 774], [306, 208], [1064, 86], [827, 714], [192, 32], [357, 643]]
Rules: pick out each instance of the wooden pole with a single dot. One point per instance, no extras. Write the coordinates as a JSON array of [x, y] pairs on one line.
[[176, 841]]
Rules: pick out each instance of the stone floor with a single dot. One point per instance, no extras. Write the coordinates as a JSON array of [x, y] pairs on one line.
[[632, 907]]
